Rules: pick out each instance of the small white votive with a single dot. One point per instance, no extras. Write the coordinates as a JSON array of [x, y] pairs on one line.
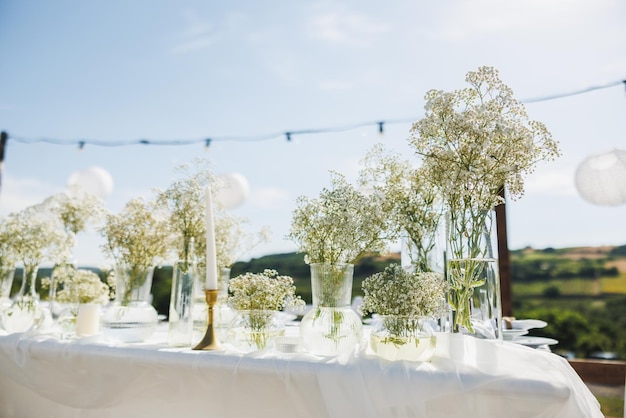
[[88, 319], [288, 344]]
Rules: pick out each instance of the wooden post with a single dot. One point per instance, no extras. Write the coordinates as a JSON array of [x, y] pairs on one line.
[[3, 142], [504, 264]]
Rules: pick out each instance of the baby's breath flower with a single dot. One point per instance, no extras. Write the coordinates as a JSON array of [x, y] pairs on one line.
[[34, 237], [135, 237], [75, 208], [396, 291], [78, 286], [8, 256], [412, 205], [184, 203], [474, 143], [477, 140], [263, 291], [340, 226]]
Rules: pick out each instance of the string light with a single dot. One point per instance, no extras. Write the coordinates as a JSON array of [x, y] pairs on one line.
[[287, 134]]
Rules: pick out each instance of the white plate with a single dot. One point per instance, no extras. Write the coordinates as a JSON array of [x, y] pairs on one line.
[[534, 341], [528, 323], [509, 334]]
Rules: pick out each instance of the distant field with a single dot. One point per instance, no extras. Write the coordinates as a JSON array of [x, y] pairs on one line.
[[577, 286]]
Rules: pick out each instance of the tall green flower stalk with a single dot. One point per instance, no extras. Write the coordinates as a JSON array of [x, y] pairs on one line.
[[474, 142]]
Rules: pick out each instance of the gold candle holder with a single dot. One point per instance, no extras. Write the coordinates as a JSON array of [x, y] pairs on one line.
[[210, 341]]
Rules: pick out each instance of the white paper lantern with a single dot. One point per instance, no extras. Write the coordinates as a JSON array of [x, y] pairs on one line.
[[601, 179], [234, 190], [94, 180]]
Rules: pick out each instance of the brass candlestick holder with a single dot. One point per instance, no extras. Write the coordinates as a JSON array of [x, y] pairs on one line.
[[210, 341]]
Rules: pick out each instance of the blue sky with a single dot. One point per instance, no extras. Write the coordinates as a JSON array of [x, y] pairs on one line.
[[115, 71]]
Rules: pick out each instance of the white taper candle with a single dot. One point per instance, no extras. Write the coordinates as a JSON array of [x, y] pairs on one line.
[[211, 255]]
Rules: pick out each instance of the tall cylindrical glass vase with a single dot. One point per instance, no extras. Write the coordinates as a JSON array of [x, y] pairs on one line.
[[472, 273], [180, 315]]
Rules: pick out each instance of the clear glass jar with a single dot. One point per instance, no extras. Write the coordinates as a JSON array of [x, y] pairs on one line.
[[131, 317], [24, 313], [255, 330], [399, 337]]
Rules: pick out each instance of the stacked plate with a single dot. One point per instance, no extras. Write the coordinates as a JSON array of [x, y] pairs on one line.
[[519, 329]]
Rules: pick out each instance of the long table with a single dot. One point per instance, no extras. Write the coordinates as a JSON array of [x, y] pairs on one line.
[[44, 376]]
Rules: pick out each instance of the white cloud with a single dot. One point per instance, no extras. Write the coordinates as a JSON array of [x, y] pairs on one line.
[[18, 193], [270, 198], [552, 183], [197, 34], [194, 44], [463, 21], [345, 28]]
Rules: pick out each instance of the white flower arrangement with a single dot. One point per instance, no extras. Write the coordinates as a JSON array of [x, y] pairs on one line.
[[184, 204], [137, 240], [135, 236], [475, 142], [340, 226], [263, 291], [404, 300], [412, 205], [8, 256], [79, 286], [260, 294], [35, 238], [75, 209], [396, 291]]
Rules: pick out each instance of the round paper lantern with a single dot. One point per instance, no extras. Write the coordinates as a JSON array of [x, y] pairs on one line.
[[601, 179], [234, 190], [94, 180]]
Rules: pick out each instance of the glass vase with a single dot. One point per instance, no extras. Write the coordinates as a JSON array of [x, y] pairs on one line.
[[423, 245], [399, 337], [7, 273], [131, 317], [59, 272], [66, 320], [24, 313], [331, 327], [180, 317], [472, 273], [255, 330], [222, 313]]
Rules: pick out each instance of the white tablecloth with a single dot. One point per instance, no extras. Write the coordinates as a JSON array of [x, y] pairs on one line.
[[42, 376]]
